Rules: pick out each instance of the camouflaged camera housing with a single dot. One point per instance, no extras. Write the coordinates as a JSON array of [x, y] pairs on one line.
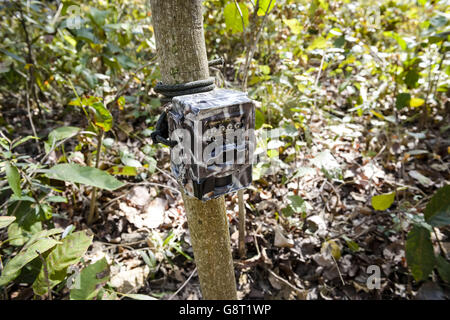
[[215, 139]]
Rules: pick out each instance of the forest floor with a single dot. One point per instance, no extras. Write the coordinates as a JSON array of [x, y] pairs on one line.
[[323, 251]]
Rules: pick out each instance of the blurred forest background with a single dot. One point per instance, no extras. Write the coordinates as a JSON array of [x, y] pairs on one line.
[[356, 93]]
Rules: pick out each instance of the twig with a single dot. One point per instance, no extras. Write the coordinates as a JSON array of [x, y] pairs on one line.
[[139, 183], [373, 163], [436, 83], [439, 242], [395, 183], [30, 117], [290, 285], [353, 227], [257, 246], [93, 214], [5, 291], [253, 260], [335, 191], [130, 134], [30, 60], [242, 21], [34, 172], [424, 119], [29, 182], [125, 245], [167, 174], [251, 52], [242, 250], [316, 82], [184, 284], [248, 58], [152, 184], [339, 271], [120, 91], [113, 200]]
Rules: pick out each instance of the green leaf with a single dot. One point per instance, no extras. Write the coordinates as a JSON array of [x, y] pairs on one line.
[[416, 102], [318, 43], [294, 25], [18, 236], [402, 100], [121, 102], [125, 61], [437, 212], [259, 119], [233, 19], [124, 171], [288, 211], [264, 7], [128, 161], [85, 175], [139, 296], [102, 117], [60, 134], [6, 221], [352, 245], [411, 78], [439, 20], [85, 35], [151, 164], [89, 77], [401, 42], [106, 295], [85, 101], [23, 140], [303, 171], [13, 176], [69, 252], [70, 40], [12, 269], [58, 199], [149, 260], [297, 203], [98, 17], [419, 253], [41, 234], [332, 248], [443, 267], [339, 42], [383, 201], [12, 55], [264, 69], [90, 280], [5, 144], [46, 212], [24, 210], [314, 5]]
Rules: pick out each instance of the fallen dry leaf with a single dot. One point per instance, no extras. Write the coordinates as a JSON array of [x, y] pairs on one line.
[[139, 196], [280, 240]]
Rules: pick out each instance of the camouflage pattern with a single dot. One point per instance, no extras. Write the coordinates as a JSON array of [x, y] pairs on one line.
[[215, 142]]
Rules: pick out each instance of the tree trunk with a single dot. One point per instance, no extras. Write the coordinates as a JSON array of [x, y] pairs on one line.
[[180, 44]]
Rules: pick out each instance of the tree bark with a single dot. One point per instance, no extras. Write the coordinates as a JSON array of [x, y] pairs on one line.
[[242, 249], [181, 50]]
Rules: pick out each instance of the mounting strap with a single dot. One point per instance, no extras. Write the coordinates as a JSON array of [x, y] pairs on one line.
[[161, 133]]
